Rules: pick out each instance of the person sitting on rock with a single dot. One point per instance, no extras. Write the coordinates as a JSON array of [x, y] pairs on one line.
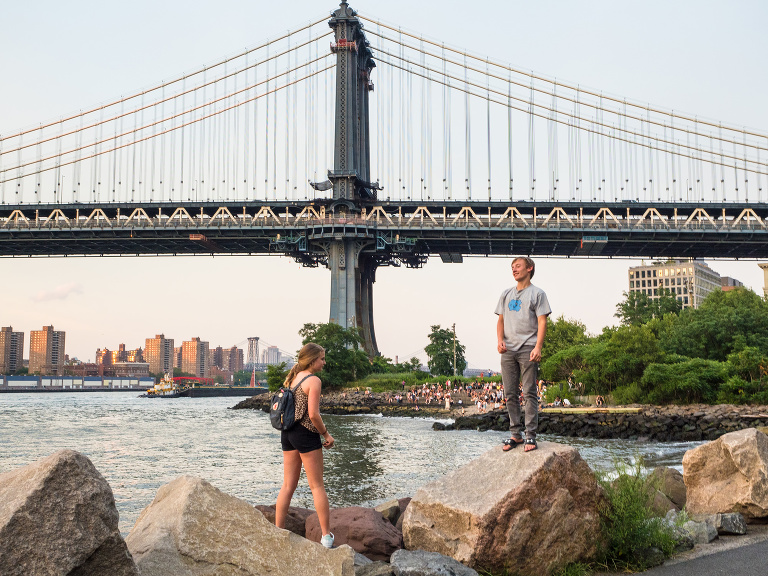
[[599, 401]]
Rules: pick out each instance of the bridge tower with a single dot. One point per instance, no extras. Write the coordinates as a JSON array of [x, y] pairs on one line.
[[352, 269]]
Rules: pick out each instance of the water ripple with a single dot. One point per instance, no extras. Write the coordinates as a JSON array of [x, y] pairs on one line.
[[139, 444]]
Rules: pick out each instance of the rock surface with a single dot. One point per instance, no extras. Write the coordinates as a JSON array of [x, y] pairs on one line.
[[670, 483], [729, 475], [295, 521], [390, 511], [58, 516], [364, 529], [192, 528], [701, 532], [535, 511], [421, 563]]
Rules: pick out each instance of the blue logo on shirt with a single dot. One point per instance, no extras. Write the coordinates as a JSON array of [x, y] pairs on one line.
[[515, 305]]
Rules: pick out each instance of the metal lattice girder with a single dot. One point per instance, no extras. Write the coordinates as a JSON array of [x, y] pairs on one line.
[[727, 230]]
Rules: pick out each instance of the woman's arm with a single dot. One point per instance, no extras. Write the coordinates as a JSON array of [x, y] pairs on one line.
[[312, 387]]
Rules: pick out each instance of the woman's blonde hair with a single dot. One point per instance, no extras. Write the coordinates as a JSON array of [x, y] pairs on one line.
[[307, 355]]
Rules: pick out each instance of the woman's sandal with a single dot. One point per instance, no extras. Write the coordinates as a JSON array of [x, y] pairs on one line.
[[530, 444], [510, 443]]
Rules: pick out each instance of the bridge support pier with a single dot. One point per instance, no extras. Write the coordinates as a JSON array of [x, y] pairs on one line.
[[352, 278]]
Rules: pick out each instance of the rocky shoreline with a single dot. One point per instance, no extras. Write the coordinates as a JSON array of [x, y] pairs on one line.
[[542, 511], [696, 422]]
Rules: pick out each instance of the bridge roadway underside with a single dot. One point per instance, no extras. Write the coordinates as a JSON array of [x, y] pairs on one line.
[[389, 230]]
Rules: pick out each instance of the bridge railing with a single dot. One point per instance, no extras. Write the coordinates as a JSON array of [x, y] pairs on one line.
[[416, 218]]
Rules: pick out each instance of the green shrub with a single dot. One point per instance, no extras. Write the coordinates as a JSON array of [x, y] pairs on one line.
[[629, 525], [628, 394], [553, 391], [738, 391]]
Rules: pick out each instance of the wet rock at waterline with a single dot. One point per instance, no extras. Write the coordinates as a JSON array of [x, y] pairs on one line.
[[58, 516]]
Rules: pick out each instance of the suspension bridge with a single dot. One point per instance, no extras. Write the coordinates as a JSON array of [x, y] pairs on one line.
[[274, 151]]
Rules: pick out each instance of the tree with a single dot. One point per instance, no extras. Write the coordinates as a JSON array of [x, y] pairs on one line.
[[440, 353], [638, 308], [563, 334], [345, 360], [276, 374], [725, 322]]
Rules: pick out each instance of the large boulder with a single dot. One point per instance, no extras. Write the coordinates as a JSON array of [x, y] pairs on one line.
[[364, 529], [295, 520], [729, 474], [192, 528], [534, 511], [58, 516]]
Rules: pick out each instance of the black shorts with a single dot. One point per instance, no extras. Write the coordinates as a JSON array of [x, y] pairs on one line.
[[301, 439]]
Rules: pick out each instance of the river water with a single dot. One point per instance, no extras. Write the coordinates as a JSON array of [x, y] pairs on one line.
[[139, 444]]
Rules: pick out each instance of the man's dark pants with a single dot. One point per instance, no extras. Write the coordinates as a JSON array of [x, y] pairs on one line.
[[517, 367]]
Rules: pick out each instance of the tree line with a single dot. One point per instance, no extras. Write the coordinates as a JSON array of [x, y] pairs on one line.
[[663, 354]]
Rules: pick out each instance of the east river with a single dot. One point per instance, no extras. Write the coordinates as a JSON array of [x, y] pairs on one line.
[[139, 444]]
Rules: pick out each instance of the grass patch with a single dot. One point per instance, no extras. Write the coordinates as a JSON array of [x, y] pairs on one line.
[[633, 535]]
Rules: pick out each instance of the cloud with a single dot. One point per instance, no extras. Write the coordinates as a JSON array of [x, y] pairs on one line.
[[59, 292]]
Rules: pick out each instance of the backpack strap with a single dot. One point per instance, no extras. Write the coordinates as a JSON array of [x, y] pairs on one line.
[[300, 383]]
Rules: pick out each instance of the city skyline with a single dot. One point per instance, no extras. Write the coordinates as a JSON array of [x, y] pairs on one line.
[[666, 57]]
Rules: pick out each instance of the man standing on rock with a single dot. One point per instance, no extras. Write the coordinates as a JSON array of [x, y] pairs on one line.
[[520, 329]]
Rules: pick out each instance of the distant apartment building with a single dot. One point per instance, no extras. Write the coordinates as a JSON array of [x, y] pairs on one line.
[[194, 357], [729, 283], [226, 359], [177, 357], [764, 267], [46, 351], [11, 350], [159, 352], [109, 357], [690, 281], [272, 355]]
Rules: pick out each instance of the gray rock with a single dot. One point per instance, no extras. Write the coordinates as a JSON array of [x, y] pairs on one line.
[[421, 563], [294, 520], [376, 569], [390, 511], [58, 516], [193, 529], [361, 560], [702, 532], [732, 523], [649, 557], [670, 482]]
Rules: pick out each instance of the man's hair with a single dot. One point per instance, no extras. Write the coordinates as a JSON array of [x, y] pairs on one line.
[[528, 263]]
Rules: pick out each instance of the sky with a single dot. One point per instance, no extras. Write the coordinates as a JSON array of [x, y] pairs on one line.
[[699, 57]]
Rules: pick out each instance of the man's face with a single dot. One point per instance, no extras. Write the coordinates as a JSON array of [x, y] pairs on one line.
[[519, 270]]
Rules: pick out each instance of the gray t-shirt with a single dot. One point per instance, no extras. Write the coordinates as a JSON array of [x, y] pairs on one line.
[[520, 310]]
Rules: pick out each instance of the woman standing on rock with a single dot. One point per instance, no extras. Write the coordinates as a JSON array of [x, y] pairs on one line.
[[301, 444]]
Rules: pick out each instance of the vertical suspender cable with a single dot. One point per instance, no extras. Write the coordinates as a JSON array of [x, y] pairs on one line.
[[467, 135], [531, 146], [446, 130], [266, 128], [509, 136], [488, 122], [423, 119]]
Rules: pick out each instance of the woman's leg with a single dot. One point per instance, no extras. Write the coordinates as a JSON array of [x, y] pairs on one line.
[[313, 466], [291, 471]]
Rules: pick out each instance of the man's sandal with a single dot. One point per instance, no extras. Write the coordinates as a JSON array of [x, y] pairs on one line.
[[510, 443], [530, 444]]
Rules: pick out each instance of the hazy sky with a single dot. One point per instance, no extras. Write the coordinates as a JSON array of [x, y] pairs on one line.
[[702, 58]]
